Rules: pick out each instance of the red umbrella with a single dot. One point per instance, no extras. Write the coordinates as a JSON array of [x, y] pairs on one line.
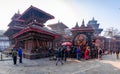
[[67, 43]]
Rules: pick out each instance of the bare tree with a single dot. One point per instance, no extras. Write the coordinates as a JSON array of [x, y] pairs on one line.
[[111, 32]]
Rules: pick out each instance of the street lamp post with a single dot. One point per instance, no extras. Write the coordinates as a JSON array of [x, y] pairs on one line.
[[1, 56], [109, 44]]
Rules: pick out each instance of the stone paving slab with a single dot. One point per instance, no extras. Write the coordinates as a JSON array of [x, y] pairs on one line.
[[109, 65]]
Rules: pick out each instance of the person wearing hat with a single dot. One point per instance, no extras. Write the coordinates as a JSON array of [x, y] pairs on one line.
[[14, 56]]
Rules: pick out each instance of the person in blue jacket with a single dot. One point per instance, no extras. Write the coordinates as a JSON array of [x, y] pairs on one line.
[[20, 54], [78, 53]]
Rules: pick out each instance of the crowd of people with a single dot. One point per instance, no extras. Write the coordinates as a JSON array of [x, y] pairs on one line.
[[60, 54], [116, 52]]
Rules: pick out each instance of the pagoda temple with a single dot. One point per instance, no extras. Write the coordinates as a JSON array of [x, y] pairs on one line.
[[58, 27], [27, 30], [95, 26], [61, 29]]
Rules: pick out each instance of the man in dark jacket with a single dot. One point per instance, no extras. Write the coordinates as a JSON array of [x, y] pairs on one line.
[[14, 55], [117, 53], [59, 56]]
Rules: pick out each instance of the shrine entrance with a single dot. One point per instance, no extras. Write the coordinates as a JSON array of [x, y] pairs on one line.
[[82, 37], [82, 40]]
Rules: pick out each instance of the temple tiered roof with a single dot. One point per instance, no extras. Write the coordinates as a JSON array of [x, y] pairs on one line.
[[95, 26]]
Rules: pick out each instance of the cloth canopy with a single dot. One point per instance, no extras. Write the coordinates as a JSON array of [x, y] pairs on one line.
[[67, 43]]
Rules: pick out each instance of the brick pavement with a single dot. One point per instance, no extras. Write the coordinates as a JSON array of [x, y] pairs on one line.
[[109, 65]]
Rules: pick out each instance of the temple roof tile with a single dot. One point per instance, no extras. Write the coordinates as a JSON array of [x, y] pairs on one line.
[[33, 10]]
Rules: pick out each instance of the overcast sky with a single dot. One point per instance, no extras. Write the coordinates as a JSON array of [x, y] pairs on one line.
[[106, 12]]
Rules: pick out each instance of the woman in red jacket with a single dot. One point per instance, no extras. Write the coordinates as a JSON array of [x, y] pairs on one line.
[[86, 54]]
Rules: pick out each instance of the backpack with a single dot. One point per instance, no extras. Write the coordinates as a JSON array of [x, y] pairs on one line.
[[14, 53], [100, 51]]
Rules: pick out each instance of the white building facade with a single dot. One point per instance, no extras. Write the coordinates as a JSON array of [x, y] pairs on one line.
[[4, 41]]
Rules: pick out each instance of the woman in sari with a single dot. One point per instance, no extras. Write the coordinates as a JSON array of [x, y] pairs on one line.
[[86, 53]]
